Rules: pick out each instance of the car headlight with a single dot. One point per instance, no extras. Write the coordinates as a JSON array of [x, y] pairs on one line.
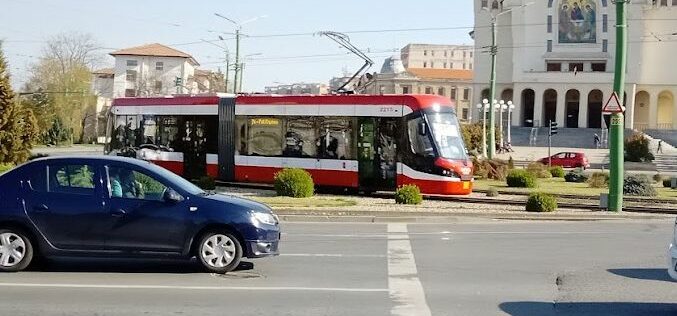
[[265, 218]]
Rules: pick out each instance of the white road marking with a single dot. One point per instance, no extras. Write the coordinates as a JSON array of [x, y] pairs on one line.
[[331, 255], [181, 287], [458, 233], [406, 290]]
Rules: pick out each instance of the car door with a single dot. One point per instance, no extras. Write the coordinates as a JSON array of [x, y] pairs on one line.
[[139, 217], [571, 160], [64, 201]]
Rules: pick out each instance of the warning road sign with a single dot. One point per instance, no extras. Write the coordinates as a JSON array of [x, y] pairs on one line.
[[613, 105]]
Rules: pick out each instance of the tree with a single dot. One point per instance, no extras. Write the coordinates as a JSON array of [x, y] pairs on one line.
[[18, 127], [64, 74]]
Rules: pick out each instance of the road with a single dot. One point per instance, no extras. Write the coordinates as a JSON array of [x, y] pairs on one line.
[[472, 267]]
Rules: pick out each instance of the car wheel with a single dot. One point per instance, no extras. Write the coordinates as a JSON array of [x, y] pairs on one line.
[[16, 250], [219, 252]]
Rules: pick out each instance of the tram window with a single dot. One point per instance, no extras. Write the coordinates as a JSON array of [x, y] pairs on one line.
[[212, 129], [126, 131], [335, 138], [149, 129], [168, 132], [241, 135], [300, 137], [265, 136], [420, 144]]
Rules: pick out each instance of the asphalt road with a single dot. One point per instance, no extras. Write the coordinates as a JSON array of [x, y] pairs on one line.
[[467, 268]]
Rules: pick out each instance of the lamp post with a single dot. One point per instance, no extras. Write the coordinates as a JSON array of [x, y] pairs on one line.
[[483, 107], [501, 108], [511, 107], [238, 33]]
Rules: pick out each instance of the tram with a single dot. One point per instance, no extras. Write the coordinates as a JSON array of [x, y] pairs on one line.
[[365, 142]]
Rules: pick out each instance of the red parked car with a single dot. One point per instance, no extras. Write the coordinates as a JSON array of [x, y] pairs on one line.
[[568, 160]]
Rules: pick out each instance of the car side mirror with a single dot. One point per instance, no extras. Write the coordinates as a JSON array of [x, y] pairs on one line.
[[172, 196], [422, 128]]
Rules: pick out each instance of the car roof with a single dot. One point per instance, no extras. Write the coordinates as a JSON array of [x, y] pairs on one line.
[[99, 158]]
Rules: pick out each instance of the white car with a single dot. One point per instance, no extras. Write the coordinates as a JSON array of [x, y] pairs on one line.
[[672, 255]]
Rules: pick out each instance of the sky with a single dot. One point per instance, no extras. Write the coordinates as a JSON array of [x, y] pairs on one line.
[[380, 27]]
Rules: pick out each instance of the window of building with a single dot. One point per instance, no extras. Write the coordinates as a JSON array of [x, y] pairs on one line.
[[664, 3], [300, 137], [605, 23], [605, 46], [131, 184], [73, 179], [159, 66], [549, 46], [158, 86], [425, 64], [485, 3], [451, 65], [445, 65], [440, 91], [599, 67], [131, 75], [549, 23], [554, 67], [471, 54], [445, 53], [464, 54], [425, 53], [466, 94], [453, 94], [265, 136], [494, 5], [576, 67], [132, 63], [470, 66], [464, 113], [130, 93], [406, 89], [432, 53], [428, 90]]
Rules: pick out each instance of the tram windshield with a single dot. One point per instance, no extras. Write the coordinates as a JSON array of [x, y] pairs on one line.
[[447, 135]]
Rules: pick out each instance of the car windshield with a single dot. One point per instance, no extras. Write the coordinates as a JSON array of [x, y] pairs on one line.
[[447, 135], [175, 179]]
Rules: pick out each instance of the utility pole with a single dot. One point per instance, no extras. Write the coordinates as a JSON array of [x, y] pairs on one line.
[[616, 130], [236, 77], [227, 71], [239, 85], [492, 92]]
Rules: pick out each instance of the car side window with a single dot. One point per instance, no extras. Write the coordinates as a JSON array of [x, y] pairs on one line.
[[132, 184], [561, 156], [74, 179], [38, 179]]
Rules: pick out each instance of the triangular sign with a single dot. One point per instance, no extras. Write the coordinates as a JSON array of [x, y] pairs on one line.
[[613, 105]]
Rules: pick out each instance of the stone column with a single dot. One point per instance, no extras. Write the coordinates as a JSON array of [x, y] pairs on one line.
[[653, 110], [583, 109], [516, 119], [561, 108], [538, 108]]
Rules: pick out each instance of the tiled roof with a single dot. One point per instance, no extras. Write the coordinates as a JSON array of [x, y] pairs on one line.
[[104, 71], [154, 49], [431, 73]]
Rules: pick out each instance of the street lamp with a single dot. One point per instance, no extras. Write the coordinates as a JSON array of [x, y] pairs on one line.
[[242, 68], [483, 107], [238, 30], [510, 107]]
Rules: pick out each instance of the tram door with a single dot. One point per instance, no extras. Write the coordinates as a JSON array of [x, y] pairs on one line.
[[377, 152], [195, 150]]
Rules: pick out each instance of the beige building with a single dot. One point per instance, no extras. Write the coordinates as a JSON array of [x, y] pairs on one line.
[[438, 56], [454, 84], [298, 88], [561, 69]]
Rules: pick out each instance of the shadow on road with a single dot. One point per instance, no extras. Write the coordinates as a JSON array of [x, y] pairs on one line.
[[587, 308], [125, 266], [643, 274]]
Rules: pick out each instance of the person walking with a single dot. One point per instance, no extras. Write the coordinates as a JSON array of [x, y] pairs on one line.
[[660, 146], [597, 141]]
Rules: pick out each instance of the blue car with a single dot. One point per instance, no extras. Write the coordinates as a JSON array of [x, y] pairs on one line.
[[121, 207]]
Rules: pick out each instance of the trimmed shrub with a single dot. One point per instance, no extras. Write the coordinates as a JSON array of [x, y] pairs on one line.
[[575, 176], [492, 192], [667, 183], [520, 178], [541, 202], [206, 183], [658, 178], [408, 194], [294, 182], [599, 180], [5, 167], [539, 170], [638, 185], [637, 149], [557, 172]]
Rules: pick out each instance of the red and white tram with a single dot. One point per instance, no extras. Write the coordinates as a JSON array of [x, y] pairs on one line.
[[367, 142]]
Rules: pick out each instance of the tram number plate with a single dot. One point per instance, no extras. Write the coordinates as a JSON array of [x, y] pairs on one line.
[[616, 120]]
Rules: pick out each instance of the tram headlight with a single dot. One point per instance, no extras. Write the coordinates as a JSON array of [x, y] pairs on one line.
[[449, 173]]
